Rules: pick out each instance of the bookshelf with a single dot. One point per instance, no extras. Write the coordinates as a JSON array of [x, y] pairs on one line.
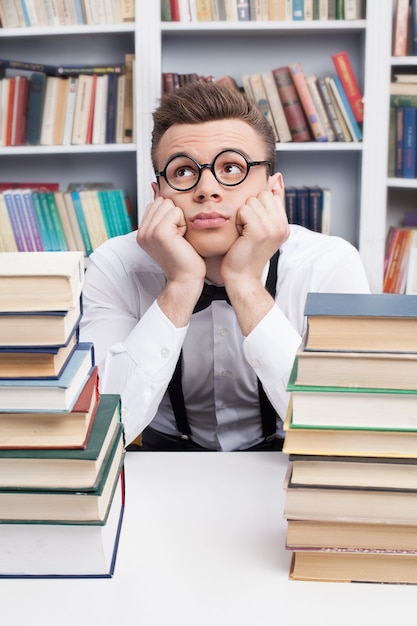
[[355, 172], [401, 193], [65, 164]]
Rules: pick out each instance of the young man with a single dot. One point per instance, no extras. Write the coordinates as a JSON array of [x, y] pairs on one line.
[[218, 218]]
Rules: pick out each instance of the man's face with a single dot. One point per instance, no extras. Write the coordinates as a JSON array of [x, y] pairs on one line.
[[210, 208]]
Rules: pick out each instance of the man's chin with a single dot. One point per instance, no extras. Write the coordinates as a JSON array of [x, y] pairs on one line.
[[211, 246]]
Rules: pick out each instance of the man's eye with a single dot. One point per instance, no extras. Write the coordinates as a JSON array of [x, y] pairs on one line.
[[232, 168], [184, 172]]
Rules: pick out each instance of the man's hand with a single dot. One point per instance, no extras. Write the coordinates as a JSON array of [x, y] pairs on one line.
[[263, 227], [161, 234]]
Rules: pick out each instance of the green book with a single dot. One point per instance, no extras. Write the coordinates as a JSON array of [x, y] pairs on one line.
[[56, 220], [351, 407]]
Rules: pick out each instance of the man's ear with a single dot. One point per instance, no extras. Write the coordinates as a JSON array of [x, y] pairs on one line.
[[276, 185], [155, 189]]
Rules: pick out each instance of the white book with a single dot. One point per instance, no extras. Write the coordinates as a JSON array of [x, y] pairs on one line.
[[69, 111], [49, 110], [100, 107]]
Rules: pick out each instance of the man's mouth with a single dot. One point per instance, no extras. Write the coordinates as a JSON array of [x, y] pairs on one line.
[[208, 220]]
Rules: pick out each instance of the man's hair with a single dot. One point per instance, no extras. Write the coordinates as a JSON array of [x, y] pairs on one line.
[[202, 102]]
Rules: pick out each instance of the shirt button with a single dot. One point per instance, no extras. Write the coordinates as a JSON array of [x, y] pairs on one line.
[[223, 331], [225, 373], [164, 353], [256, 363]]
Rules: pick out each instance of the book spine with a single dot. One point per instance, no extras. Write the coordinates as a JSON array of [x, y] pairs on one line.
[[315, 201], [41, 221], [18, 235], [354, 128], [400, 38], [350, 84], [35, 108], [292, 105], [7, 235], [291, 204], [303, 210], [31, 216], [277, 110], [335, 98], [307, 102], [321, 109], [409, 142], [49, 222], [75, 195], [243, 10], [261, 99], [111, 109], [128, 102], [399, 143]]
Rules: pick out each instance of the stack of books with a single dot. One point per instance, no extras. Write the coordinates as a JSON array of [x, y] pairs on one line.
[[351, 436], [61, 442]]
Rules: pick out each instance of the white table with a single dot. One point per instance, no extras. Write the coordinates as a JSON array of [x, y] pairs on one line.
[[202, 544]]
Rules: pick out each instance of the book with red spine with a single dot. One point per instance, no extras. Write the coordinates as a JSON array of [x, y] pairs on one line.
[[350, 84]]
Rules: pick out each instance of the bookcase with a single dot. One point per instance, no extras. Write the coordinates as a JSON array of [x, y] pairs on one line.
[[401, 193], [355, 172]]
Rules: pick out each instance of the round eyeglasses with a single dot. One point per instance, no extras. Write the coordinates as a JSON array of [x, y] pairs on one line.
[[229, 168]]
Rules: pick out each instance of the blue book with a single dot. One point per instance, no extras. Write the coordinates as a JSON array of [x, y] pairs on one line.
[[399, 144], [303, 209], [350, 118], [298, 10], [409, 142], [243, 10], [60, 394]]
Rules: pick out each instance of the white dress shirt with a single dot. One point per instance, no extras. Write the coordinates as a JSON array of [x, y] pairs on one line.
[[137, 347]]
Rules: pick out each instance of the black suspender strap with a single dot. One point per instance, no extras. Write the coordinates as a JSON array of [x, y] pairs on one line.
[[176, 394]]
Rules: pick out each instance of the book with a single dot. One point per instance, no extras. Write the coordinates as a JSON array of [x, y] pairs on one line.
[[62, 429], [394, 370], [361, 322], [14, 221], [345, 108], [411, 280], [49, 110], [399, 141], [260, 97], [355, 566], [329, 106], [321, 109], [69, 110], [409, 161], [75, 202], [400, 34], [315, 208], [276, 108], [8, 242], [35, 361], [63, 550], [293, 110], [344, 442], [128, 112], [82, 109], [60, 394], [61, 105], [336, 100], [111, 109], [403, 89], [346, 471], [66, 469], [393, 506], [347, 111], [30, 212], [65, 506], [42, 281], [100, 104], [68, 234], [351, 407], [312, 534], [307, 102], [347, 77]]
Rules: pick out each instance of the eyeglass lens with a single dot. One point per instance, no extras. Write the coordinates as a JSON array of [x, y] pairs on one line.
[[229, 168]]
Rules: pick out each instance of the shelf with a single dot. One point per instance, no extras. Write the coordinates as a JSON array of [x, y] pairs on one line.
[[255, 28], [402, 183], [57, 150], [318, 146], [49, 31]]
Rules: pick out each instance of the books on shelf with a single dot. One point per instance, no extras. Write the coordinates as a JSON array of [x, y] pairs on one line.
[[53, 220], [349, 82], [400, 243], [55, 105], [21, 14], [249, 10], [361, 322], [309, 207]]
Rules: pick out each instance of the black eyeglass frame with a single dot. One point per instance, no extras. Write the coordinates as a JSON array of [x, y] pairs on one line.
[[210, 166]]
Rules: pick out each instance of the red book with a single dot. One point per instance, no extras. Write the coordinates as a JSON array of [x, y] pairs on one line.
[[293, 110], [350, 84], [20, 121], [12, 83], [175, 10], [401, 22]]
